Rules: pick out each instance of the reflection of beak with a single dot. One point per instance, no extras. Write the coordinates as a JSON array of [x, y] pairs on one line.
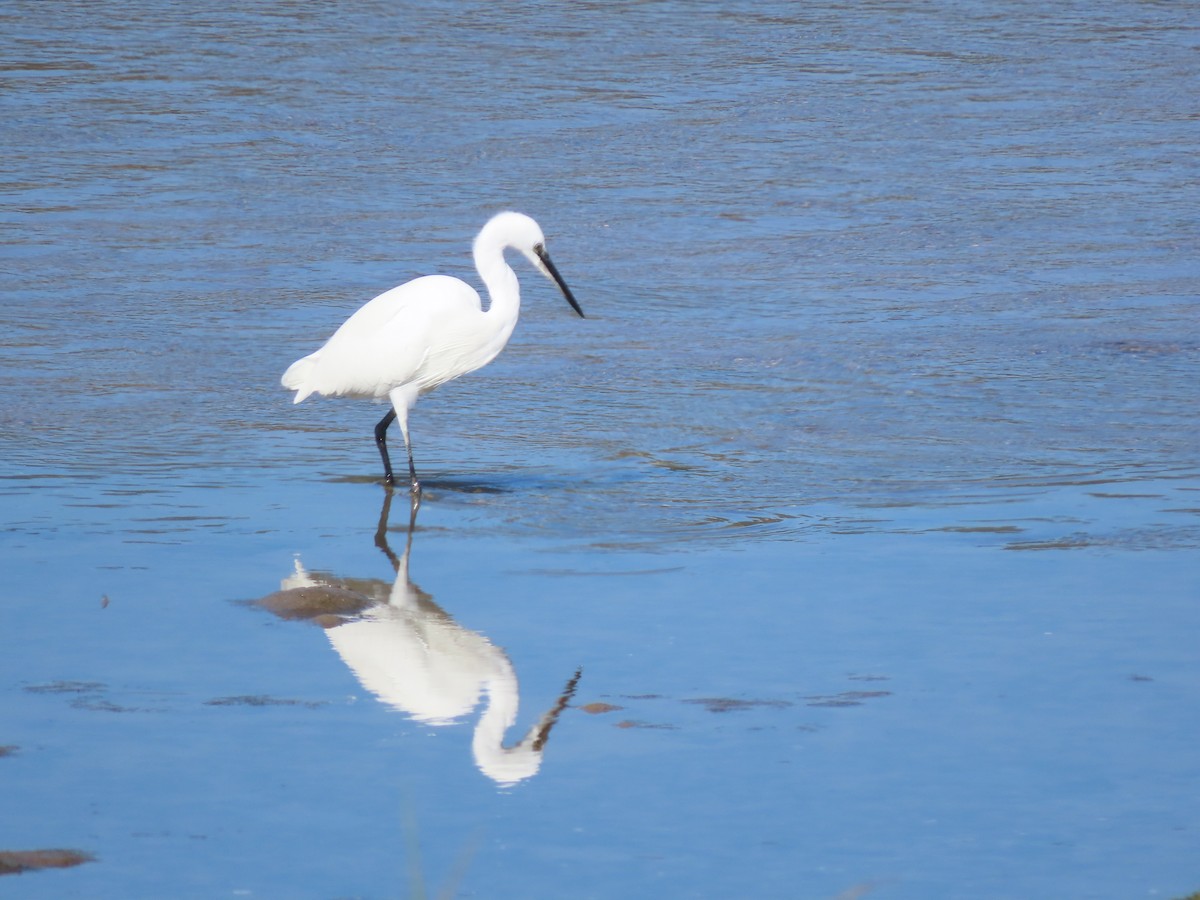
[[552, 273], [508, 765], [542, 729]]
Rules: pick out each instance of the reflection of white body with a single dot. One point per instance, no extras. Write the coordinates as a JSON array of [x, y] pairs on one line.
[[414, 657]]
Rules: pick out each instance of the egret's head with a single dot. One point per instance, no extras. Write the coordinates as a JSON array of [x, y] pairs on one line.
[[517, 230]]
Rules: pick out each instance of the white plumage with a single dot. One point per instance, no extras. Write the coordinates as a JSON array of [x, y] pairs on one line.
[[410, 653], [431, 330]]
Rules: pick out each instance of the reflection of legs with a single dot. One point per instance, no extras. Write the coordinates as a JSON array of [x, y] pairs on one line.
[[381, 443], [381, 540]]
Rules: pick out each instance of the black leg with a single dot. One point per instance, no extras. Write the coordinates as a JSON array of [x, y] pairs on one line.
[[412, 470], [381, 443]]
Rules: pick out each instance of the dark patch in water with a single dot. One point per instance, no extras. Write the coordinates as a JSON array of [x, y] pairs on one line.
[[87, 695], [428, 486], [14, 862], [598, 708], [315, 602], [731, 704], [262, 700], [66, 687], [846, 698], [98, 704]]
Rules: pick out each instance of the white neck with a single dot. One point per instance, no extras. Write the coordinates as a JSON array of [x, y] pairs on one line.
[[504, 295], [504, 765], [499, 278]]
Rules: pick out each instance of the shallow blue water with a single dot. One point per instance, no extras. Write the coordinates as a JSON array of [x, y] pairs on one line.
[[866, 498]]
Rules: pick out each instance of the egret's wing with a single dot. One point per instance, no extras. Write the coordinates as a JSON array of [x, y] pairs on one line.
[[407, 300], [452, 332], [384, 344]]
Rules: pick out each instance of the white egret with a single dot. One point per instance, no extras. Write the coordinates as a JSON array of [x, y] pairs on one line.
[[431, 330]]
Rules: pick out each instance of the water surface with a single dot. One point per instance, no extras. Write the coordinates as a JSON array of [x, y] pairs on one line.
[[847, 548]]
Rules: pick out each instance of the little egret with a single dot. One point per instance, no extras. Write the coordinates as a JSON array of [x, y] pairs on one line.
[[431, 330]]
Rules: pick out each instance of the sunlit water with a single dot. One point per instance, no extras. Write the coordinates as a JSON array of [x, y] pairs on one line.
[[867, 496]]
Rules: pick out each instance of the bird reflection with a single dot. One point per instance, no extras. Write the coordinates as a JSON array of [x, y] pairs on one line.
[[413, 656]]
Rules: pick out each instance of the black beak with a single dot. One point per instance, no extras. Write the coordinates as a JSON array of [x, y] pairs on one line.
[[558, 279]]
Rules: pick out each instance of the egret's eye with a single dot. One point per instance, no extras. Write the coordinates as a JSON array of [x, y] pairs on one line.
[[539, 249]]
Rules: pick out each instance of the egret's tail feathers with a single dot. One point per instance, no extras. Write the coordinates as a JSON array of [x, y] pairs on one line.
[[296, 378]]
